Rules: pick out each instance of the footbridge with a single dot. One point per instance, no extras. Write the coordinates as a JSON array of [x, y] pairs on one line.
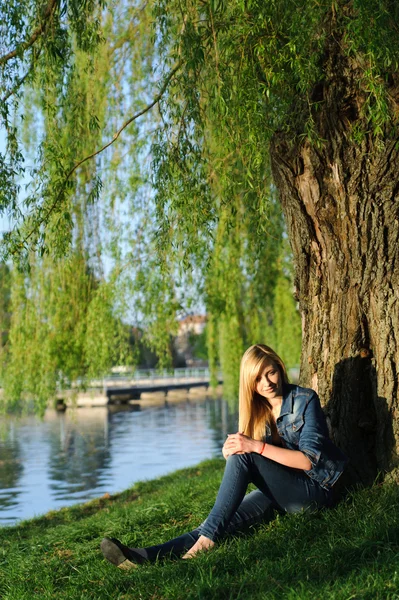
[[124, 387]]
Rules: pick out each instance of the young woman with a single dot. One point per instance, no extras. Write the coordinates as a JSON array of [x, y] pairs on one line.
[[282, 447]]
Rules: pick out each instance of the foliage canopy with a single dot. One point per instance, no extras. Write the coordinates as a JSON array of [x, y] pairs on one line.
[[120, 116]]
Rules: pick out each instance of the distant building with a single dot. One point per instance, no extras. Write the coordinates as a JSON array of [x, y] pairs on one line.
[[192, 324], [189, 326]]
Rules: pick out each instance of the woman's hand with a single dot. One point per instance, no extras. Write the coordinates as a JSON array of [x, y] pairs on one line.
[[238, 443]]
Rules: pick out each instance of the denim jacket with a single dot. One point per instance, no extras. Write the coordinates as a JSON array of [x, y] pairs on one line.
[[302, 426]]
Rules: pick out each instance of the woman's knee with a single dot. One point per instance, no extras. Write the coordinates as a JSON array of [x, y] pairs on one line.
[[244, 457]]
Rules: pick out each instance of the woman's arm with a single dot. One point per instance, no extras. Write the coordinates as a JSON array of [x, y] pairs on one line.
[[238, 443], [314, 431]]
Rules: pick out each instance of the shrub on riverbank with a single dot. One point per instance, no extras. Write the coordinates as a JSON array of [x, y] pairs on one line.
[[351, 551]]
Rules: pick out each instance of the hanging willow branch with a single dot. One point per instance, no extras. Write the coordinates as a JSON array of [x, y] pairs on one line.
[[22, 79], [136, 116], [37, 33], [97, 152], [14, 89]]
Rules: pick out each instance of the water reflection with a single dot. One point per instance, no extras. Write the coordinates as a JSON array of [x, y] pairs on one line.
[[78, 455], [11, 469]]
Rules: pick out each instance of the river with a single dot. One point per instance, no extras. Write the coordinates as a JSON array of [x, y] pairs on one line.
[[84, 453]]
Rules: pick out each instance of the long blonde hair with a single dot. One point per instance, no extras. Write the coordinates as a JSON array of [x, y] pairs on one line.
[[254, 410]]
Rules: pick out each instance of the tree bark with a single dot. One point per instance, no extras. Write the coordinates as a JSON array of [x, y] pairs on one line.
[[341, 203]]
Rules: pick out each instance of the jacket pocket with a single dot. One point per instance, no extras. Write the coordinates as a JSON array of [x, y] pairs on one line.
[[292, 430]]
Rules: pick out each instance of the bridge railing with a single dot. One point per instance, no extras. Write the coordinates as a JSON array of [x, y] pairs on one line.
[[179, 373]]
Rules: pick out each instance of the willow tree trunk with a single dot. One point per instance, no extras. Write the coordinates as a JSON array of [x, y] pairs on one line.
[[341, 203]]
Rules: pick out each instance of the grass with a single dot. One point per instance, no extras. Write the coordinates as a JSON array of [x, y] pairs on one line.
[[350, 552]]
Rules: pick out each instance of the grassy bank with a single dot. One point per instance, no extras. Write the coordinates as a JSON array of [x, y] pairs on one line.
[[350, 552]]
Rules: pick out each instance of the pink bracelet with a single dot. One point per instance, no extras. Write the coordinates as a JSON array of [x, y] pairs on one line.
[[263, 447]]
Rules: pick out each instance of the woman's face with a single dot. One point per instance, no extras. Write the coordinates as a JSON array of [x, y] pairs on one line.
[[269, 383]]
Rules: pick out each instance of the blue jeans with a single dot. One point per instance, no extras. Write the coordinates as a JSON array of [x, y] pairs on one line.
[[280, 488]]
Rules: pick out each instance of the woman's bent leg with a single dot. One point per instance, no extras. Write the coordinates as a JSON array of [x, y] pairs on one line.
[[279, 488], [254, 509], [288, 490]]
